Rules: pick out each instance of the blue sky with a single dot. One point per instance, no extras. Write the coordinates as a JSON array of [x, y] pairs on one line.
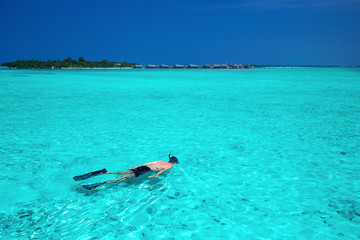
[[319, 32]]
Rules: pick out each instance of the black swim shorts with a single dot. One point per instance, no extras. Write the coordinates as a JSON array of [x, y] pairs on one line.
[[140, 170]]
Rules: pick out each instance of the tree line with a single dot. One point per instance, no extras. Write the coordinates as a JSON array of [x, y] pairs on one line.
[[66, 63]]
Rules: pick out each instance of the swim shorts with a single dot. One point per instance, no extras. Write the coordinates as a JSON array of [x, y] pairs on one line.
[[140, 170]]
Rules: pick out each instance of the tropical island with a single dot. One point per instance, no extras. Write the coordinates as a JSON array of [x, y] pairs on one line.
[[66, 63], [81, 63]]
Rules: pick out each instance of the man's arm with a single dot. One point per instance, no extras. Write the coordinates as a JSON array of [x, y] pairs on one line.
[[160, 172]]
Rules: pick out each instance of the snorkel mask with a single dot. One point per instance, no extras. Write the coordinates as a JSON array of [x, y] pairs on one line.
[[173, 159]]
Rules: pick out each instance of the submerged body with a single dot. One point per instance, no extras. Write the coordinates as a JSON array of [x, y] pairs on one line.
[[157, 166]]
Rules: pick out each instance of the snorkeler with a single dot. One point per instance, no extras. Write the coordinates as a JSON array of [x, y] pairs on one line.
[[157, 166]]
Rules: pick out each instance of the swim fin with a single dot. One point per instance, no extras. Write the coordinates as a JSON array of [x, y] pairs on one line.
[[92, 186], [89, 175]]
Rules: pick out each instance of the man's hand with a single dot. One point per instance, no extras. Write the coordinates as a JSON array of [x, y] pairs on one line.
[[159, 173]]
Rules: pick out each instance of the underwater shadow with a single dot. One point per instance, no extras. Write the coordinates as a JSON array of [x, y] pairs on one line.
[[153, 183]]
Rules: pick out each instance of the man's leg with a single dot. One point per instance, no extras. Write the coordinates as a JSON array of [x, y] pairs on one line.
[[121, 173], [127, 176], [95, 185]]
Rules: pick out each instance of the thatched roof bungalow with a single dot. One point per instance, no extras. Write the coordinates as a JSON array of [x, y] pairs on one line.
[[179, 66], [236, 66], [152, 66], [193, 66], [248, 66], [208, 66], [219, 66], [164, 66]]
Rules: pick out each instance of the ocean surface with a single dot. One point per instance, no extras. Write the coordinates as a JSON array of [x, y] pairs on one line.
[[267, 153]]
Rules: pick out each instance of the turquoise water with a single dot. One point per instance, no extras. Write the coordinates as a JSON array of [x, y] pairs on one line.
[[264, 153]]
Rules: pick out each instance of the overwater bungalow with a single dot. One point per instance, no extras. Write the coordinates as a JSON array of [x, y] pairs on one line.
[[164, 66], [193, 66], [236, 66], [208, 66], [179, 66], [220, 66], [152, 66]]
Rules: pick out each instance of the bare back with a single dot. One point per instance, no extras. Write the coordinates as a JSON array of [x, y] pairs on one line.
[[159, 165]]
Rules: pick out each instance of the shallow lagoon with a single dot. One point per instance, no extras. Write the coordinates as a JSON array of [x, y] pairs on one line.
[[267, 153]]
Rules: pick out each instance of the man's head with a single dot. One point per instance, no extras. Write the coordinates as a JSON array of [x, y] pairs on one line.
[[173, 160]]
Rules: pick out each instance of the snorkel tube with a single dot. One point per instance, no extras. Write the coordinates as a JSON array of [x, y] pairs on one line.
[[173, 159]]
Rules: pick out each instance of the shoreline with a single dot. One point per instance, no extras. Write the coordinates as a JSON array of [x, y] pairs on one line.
[[176, 68], [72, 68], [128, 68]]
